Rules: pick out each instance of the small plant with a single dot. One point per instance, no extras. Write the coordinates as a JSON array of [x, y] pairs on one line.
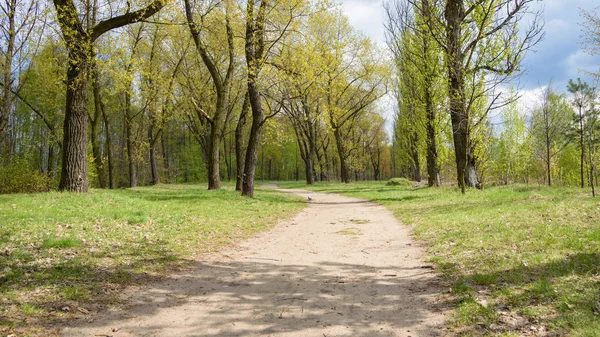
[[61, 243]]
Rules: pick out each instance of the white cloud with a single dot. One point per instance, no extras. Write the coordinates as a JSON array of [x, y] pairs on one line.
[[366, 16], [579, 63], [530, 99]]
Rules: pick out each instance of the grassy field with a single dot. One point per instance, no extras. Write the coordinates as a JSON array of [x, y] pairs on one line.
[[519, 260], [64, 254]]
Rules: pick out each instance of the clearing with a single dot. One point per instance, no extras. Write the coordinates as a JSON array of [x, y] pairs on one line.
[[341, 267]]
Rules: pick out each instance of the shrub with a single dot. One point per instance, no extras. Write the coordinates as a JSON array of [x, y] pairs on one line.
[[20, 177], [399, 182]]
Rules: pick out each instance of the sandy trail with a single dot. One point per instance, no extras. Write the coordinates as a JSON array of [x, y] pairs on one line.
[[341, 267]]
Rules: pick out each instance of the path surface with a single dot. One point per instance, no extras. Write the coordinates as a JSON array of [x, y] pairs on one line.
[[342, 267]]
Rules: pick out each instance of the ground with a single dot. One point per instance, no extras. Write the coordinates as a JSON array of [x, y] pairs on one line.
[[341, 267]]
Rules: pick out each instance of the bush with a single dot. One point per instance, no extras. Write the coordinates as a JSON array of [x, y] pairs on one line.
[[399, 182], [20, 177]]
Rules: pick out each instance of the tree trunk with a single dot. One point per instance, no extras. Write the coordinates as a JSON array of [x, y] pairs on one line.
[[471, 177], [94, 128], [153, 165], [7, 98], [214, 178], [416, 162], [239, 143], [312, 153], [548, 156], [592, 180], [308, 168], [254, 139], [111, 177], [344, 170], [130, 151], [74, 173], [50, 160], [165, 156], [155, 177], [582, 147], [453, 13], [433, 171]]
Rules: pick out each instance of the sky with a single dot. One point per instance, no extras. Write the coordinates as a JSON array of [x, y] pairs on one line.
[[558, 58]]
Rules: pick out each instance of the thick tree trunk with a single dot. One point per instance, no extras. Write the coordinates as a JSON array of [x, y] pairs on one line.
[[239, 143], [344, 170], [74, 173], [433, 171], [460, 120], [254, 139], [308, 168], [214, 177]]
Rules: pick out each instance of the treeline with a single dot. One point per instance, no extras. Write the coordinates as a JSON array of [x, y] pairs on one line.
[[458, 118], [110, 94]]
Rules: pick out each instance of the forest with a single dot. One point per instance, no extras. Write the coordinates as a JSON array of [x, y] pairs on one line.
[[406, 187], [113, 94]]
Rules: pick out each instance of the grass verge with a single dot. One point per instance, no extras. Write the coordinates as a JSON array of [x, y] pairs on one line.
[[63, 255], [520, 260]]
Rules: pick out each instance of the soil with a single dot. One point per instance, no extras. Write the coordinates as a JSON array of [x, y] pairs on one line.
[[341, 267]]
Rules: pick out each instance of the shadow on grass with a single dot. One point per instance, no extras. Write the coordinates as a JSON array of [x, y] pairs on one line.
[[78, 282], [568, 287], [243, 298]]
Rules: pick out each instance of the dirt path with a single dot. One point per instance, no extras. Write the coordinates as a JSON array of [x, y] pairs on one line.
[[342, 267]]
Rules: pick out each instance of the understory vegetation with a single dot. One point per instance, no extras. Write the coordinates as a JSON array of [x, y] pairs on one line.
[[519, 260], [63, 255]]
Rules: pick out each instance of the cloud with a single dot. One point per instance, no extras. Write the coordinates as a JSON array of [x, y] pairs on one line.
[[530, 99], [580, 64], [558, 57], [366, 16]]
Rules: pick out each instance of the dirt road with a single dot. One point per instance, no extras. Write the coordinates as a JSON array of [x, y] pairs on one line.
[[342, 267]]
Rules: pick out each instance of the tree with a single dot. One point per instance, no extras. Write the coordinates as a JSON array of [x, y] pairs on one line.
[[592, 139], [221, 79], [267, 23], [42, 93], [583, 96], [483, 47], [18, 21], [510, 151], [79, 41], [354, 77], [549, 123], [418, 63]]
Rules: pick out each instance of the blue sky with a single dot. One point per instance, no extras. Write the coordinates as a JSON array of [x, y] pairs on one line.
[[559, 57]]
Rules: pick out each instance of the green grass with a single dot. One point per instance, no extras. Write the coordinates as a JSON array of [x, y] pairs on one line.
[[65, 249], [528, 252]]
